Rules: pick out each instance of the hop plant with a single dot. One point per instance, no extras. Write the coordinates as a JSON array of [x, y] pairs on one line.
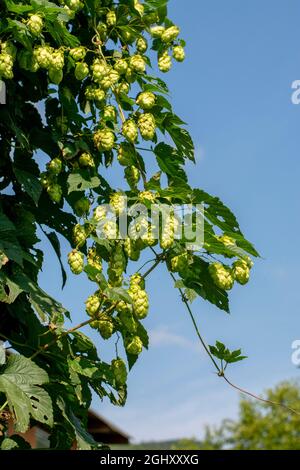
[[117, 265], [110, 230], [141, 45], [92, 305], [110, 113], [137, 63], [76, 261], [139, 7], [81, 70], [146, 124], [137, 280], [157, 31], [164, 62], [130, 130], [140, 301], [168, 232], [227, 241], [104, 325], [82, 206], [122, 88], [100, 213], [94, 259], [35, 24], [74, 5], [125, 152], [3, 259], [146, 100], [118, 202], [221, 275], [111, 18], [178, 53], [86, 160], [146, 197], [121, 66], [99, 69], [54, 192], [57, 60], [132, 176], [102, 31], [119, 371], [130, 75], [6, 65], [55, 166], [55, 76], [131, 249], [78, 53], [170, 34], [128, 321], [179, 263], [79, 235], [104, 140], [134, 346], [42, 55], [241, 272]]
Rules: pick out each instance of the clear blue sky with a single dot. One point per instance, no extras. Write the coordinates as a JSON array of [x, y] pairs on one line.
[[234, 90]]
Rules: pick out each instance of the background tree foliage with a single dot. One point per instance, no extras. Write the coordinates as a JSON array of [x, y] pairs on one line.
[[261, 426], [80, 97]]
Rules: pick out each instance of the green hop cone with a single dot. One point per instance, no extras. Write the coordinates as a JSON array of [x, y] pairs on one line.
[[178, 53], [164, 62], [132, 176], [78, 53], [170, 34], [99, 95], [100, 213], [241, 272], [118, 202], [104, 325], [94, 259], [139, 7], [168, 232], [111, 18], [227, 241], [86, 160], [81, 70], [137, 63], [131, 249], [110, 230], [99, 69], [122, 88], [146, 100], [76, 261], [221, 275], [130, 131], [146, 197], [3, 259], [147, 126], [57, 60], [55, 166], [130, 75], [119, 371], [104, 140], [6, 65], [92, 305], [117, 266], [137, 280], [125, 153], [82, 206], [55, 76], [121, 66], [54, 192], [74, 4], [43, 55], [79, 235], [110, 113], [102, 30], [141, 45], [134, 346], [179, 263], [157, 31], [35, 24], [140, 302]]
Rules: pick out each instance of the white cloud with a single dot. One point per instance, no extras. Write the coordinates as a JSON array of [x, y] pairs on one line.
[[162, 336]]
